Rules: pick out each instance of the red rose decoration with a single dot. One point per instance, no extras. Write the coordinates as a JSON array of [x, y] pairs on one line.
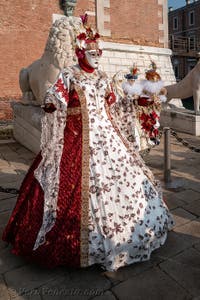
[[97, 36], [144, 101], [111, 98], [81, 36]]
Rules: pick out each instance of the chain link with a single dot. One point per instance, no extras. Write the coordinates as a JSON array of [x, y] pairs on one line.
[[184, 142], [9, 190], [145, 152], [178, 138]]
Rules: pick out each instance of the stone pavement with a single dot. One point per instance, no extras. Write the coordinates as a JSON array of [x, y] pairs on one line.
[[173, 271]]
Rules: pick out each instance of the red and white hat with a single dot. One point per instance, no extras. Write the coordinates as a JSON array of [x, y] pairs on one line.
[[87, 39]]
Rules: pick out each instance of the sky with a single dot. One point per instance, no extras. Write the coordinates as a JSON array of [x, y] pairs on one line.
[[176, 3]]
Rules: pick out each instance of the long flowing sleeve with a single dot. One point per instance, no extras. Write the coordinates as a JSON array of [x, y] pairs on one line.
[[124, 115], [52, 142]]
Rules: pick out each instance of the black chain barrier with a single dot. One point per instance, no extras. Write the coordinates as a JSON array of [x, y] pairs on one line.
[[178, 138], [9, 190], [145, 152], [184, 142]]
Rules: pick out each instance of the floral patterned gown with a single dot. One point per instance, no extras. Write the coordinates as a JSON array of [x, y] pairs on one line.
[[88, 197]]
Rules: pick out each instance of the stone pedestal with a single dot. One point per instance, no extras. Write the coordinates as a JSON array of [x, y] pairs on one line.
[[27, 125], [182, 120]]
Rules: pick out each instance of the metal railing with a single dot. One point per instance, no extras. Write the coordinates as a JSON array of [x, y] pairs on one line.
[[182, 44]]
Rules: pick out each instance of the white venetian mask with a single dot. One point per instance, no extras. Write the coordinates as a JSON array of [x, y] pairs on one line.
[[93, 57]]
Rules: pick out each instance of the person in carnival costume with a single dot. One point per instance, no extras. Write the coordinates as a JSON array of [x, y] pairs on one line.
[[132, 86], [88, 197], [132, 89], [149, 105]]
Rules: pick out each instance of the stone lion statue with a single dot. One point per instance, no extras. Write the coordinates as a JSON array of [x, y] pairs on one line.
[[58, 54], [187, 87]]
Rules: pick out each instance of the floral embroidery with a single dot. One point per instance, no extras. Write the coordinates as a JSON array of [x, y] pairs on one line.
[[123, 215], [148, 121], [61, 88]]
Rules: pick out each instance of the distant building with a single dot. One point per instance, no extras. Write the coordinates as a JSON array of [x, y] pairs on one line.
[[184, 35]]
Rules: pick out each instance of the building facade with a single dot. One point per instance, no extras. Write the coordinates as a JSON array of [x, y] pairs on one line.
[[132, 32], [184, 35]]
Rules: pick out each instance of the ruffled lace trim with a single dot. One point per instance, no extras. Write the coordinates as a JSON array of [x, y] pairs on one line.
[[52, 141]]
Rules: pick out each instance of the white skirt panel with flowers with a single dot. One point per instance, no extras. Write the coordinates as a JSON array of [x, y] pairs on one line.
[[127, 216]]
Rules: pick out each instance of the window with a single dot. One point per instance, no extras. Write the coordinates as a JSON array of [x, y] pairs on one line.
[[191, 18], [176, 65], [192, 44], [175, 23], [176, 71]]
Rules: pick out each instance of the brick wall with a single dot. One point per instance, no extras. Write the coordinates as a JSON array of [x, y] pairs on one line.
[[135, 22], [23, 34], [25, 26]]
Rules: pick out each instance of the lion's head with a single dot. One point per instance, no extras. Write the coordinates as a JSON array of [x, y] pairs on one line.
[[60, 43]]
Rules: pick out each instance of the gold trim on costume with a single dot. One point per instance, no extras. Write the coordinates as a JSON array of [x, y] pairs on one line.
[[84, 232]]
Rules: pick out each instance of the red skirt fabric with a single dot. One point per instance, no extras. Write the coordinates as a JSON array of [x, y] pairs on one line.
[[62, 245]]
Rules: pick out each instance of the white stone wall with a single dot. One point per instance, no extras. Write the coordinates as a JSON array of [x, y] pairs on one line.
[[117, 57]]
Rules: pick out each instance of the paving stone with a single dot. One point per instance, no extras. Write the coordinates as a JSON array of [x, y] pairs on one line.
[[4, 196], [174, 244], [2, 243], [19, 165], [24, 152], [5, 178], [177, 183], [4, 294], [33, 277], [195, 186], [27, 297], [186, 275], [7, 170], [181, 216], [16, 147], [9, 261], [8, 204], [81, 284], [4, 163], [190, 231], [197, 247], [156, 163], [106, 296], [153, 284], [187, 169], [190, 257], [12, 185], [127, 272], [30, 295], [4, 217], [10, 155], [172, 201], [193, 207], [188, 196]]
